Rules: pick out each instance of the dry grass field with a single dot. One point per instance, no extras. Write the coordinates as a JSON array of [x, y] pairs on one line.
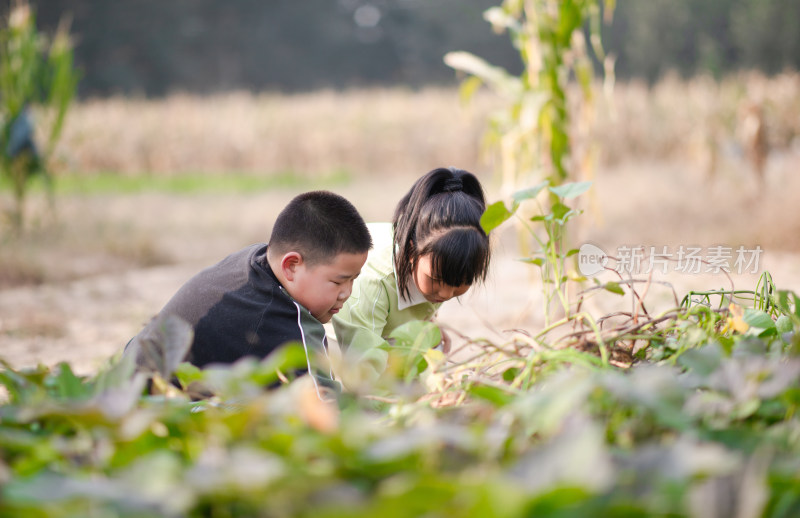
[[384, 131], [376, 131], [90, 271]]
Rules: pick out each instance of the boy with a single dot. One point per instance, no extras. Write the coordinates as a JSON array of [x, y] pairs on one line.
[[266, 295]]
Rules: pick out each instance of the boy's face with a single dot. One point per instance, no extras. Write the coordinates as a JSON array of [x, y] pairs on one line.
[[324, 287]]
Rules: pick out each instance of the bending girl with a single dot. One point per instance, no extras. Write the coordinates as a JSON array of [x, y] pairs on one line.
[[434, 250]]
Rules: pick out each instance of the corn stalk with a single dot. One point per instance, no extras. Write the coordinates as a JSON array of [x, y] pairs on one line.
[[531, 136], [33, 74]]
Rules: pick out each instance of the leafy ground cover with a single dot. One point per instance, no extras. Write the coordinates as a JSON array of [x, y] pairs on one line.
[[693, 415]]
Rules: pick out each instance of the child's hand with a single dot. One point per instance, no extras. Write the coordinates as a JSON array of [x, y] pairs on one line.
[[445, 343]]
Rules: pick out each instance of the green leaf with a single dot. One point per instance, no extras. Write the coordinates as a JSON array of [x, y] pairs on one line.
[[784, 324], [290, 357], [416, 335], [69, 385], [783, 300], [492, 394], [560, 211], [726, 343], [758, 319], [530, 192], [510, 373], [187, 373], [745, 409], [702, 360], [411, 341], [162, 345], [564, 499], [22, 385], [569, 19], [575, 277], [570, 190], [538, 261], [494, 216], [614, 287]]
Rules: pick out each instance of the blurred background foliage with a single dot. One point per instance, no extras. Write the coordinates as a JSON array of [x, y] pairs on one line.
[[154, 48]]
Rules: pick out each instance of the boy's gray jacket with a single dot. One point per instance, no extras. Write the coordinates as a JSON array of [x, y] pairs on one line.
[[238, 308]]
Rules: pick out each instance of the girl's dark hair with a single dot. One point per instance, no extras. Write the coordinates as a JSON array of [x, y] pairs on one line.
[[319, 225], [441, 216]]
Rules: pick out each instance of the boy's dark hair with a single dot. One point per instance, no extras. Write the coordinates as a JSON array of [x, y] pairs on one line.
[[319, 225], [441, 216]]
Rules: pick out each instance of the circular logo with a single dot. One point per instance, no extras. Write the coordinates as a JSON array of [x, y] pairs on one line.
[[591, 259]]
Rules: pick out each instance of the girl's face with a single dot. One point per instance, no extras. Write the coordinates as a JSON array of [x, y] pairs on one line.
[[432, 288]]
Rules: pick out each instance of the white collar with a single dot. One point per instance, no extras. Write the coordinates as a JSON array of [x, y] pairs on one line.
[[414, 296]]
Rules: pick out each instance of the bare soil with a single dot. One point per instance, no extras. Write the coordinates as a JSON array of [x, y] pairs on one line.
[[86, 321]]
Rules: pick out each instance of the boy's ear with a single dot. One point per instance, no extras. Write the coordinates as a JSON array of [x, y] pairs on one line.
[[289, 264]]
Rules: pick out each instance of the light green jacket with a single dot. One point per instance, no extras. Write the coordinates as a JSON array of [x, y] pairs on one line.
[[375, 308]]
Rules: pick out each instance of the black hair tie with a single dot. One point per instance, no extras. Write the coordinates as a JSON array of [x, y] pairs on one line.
[[452, 185]]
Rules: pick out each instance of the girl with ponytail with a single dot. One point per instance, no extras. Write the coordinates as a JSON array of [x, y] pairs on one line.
[[434, 250]]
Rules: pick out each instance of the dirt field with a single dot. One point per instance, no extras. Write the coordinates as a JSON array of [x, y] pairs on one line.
[[86, 321]]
